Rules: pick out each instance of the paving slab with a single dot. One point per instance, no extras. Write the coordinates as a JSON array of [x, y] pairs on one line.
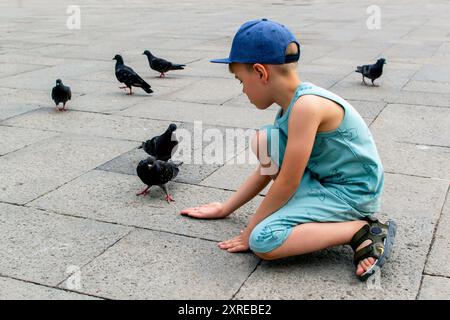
[[41, 247], [437, 263], [435, 288], [7, 69], [429, 87], [321, 275], [413, 124], [207, 113], [93, 124], [46, 165], [87, 195], [218, 92], [422, 98], [11, 289], [414, 159], [127, 163], [16, 138], [159, 265]]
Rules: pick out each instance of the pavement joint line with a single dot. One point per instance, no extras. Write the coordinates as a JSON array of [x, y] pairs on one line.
[[430, 247], [179, 182], [436, 275], [376, 117], [424, 144], [135, 227], [50, 287], [408, 174], [248, 277], [21, 114], [98, 255]]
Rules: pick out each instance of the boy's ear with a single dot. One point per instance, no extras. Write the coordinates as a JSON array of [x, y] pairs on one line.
[[261, 70]]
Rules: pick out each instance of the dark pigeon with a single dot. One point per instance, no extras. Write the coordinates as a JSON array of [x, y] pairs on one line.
[[371, 71], [130, 78], [161, 65], [154, 172], [61, 94], [162, 147]]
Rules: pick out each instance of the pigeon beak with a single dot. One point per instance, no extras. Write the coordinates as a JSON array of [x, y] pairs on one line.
[[140, 147]]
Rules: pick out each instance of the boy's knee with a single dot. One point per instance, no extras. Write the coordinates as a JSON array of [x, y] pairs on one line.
[[264, 239]]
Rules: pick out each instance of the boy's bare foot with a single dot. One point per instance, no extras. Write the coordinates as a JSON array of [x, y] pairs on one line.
[[365, 264]]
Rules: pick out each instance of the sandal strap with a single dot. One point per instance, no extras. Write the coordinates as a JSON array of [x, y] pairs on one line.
[[359, 237], [371, 251], [376, 232]]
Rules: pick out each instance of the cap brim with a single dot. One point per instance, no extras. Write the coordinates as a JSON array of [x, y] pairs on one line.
[[225, 60]]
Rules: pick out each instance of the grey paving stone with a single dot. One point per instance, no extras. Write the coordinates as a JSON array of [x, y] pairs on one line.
[[208, 114], [127, 163], [87, 195], [437, 263], [212, 91], [45, 165], [138, 267], [44, 79], [7, 69], [17, 138], [40, 247], [429, 87], [329, 274], [437, 73], [11, 289], [414, 159], [435, 288], [13, 110], [93, 124], [422, 98], [399, 123], [368, 109]]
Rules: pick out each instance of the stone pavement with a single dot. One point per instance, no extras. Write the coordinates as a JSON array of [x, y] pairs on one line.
[[71, 226]]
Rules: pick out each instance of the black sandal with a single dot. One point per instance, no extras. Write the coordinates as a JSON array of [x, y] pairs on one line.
[[382, 237]]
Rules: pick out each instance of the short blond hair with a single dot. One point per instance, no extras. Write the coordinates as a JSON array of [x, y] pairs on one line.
[[283, 69]]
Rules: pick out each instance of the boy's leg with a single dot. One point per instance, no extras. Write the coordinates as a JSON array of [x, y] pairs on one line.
[[307, 237], [310, 237]]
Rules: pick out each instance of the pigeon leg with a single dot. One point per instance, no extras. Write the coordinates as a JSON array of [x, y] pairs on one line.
[[364, 80], [144, 192], [64, 107], [373, 84], [131, 92], [124, 88], [168, 197], [162, 75]]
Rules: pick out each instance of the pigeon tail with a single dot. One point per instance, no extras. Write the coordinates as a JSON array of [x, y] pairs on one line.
[[177, 67], [146, 87]]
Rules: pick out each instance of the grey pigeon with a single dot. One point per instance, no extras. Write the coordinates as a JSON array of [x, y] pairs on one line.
[[61, 94], [154, 172], [161, 65], [371, 71], [163, 146], [127, 76]]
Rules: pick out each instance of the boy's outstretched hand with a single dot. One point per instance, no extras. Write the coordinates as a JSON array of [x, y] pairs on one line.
[[237, 244], [213, 210]]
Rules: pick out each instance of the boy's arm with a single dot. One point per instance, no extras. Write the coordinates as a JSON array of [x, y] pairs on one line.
[[304, 121], [251, 187]]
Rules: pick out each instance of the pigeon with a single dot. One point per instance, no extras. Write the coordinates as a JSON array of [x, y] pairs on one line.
[[161, 65], [371, 71], [162, 147], [156, 172], [61, 94], [127, 75]]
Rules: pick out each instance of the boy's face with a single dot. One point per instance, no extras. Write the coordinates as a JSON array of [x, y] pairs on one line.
[[254, 85]]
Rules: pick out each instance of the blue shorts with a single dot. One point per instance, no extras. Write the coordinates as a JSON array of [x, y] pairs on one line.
[[312, 202]]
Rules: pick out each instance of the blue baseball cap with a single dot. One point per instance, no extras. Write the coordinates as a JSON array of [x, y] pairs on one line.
[[261, 41]]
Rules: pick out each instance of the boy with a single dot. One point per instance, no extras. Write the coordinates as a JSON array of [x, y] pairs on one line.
[[327, 174]]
